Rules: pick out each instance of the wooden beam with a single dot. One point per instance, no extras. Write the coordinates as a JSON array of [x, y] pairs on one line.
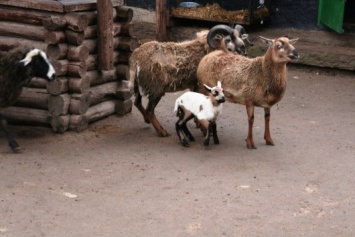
[[161, 18], [105, 36]]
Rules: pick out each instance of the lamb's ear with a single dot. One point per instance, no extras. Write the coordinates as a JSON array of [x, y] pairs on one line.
[[266, 40], [219, 84], [207, 87]]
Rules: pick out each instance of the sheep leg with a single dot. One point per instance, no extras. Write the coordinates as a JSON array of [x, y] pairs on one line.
[[181, 128], [139, 106], [208, 127], [214, 133], [152, 103], [181, 135], [12, 143], [267, 134], [250, 113], [186, 130]]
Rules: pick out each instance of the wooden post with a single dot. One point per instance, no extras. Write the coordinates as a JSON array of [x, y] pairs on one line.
[[105, 37], [161, 18]]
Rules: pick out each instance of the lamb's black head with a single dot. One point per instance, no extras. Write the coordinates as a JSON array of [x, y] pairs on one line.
[[41, 66]]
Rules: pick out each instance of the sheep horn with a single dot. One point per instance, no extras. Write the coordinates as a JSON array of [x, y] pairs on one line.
[[218, 29], [242, 32]]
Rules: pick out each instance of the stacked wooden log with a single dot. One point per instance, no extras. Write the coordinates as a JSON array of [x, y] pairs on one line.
[[83, 92]]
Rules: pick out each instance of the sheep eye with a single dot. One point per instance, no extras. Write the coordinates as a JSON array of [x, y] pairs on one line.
[[215, 93], [279, 46]]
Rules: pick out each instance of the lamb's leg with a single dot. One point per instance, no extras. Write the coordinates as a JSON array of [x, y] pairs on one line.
[[12, 143], [267, 134], [181, 135], [250, 112], [214, 133], [181, 128], [152, 103], [138, 104], [186, 130], [208, 127]]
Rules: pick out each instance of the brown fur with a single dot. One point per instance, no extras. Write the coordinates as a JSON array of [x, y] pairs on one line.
[[160, 67], [252, 82]]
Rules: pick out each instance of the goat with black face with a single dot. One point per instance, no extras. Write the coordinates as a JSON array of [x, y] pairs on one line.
[[17, 68]]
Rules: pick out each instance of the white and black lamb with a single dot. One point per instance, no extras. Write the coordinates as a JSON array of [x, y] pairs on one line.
[[17, 68], [205, 109]]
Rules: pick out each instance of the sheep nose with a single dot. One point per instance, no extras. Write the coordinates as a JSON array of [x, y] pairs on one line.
[[221, 100], [53, 77], [294, 55], [242, 50]]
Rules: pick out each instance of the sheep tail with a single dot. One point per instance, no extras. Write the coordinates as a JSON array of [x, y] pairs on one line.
[[177, 109], [132, 80]]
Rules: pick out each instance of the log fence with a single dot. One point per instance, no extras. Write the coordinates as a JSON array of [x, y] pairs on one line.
[[90, 85]]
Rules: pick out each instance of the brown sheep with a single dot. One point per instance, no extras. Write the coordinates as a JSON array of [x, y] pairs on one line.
[[160, 67], [252, 82]]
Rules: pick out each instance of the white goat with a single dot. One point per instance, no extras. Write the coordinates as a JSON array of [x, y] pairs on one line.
[[252, 82], [205, 108]]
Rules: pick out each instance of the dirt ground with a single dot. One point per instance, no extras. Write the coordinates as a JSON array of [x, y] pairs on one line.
[[118, 178]]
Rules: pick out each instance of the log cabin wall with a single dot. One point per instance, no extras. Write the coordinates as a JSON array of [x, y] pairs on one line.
[[67, 31]]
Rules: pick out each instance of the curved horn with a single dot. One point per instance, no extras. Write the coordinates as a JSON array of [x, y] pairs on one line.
[[242, 32], [218, 29], [240, 29]]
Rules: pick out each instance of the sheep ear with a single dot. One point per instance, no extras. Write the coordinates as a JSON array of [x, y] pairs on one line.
[[266, 40], [219, 84], [24, 62], [218, 37], [293, 41], [245, 36], [29, 57], [207, 87]]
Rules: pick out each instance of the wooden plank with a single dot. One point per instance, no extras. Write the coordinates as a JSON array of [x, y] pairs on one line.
[[45, 5], [33, 17], [23, 30], [80, 5], [57, 6]]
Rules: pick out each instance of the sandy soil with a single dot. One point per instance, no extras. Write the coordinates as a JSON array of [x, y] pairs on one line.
[[119, 179]]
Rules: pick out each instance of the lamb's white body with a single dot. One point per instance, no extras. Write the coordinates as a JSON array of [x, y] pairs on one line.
[[198, 104], [204, 108]]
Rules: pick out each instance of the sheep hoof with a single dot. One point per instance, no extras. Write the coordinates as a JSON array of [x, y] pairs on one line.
[[162, 132], [270, 143], [191, 138], [250, 146], [206, 143], [185, 143], [165, 134], [14, 146]]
